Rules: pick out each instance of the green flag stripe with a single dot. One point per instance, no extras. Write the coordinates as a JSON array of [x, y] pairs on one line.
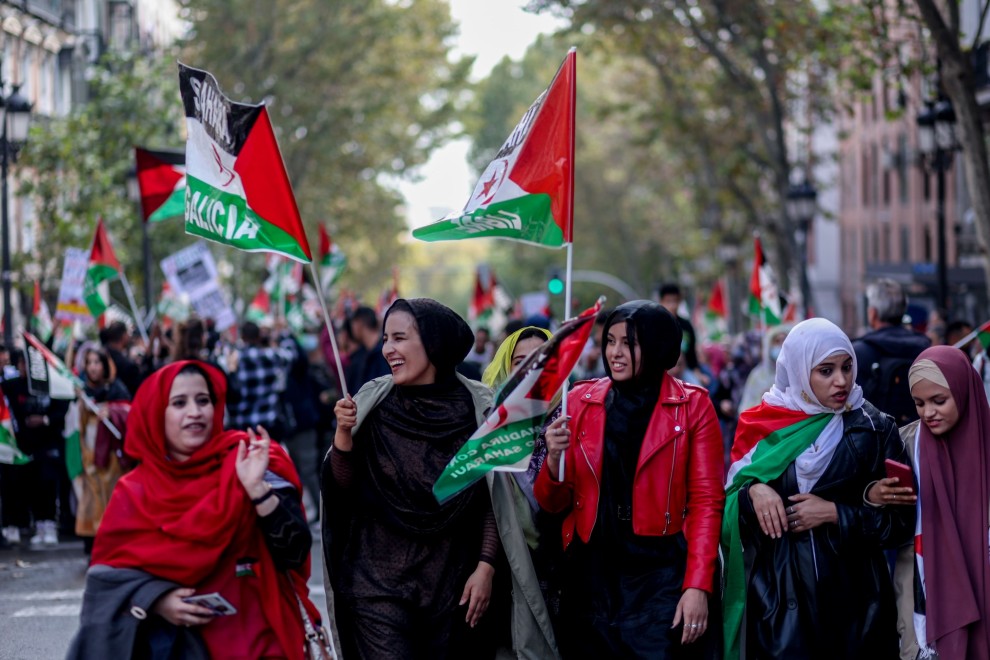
[[504, 446], [527, 219], [770, 458], [96, 274], [172, 207], [225, 218]]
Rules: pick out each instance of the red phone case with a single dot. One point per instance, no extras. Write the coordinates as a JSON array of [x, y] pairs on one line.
[[903, 473]]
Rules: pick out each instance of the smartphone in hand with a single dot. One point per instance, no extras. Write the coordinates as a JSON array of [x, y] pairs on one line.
[[905, 477], [214, 602]]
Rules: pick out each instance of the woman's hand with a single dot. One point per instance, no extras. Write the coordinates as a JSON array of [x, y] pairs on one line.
[[769, 510], [477, 592], [558, 440], [692, 608], [810, 511], [173, 609], [886, 491], [346, 412], [252, 462]]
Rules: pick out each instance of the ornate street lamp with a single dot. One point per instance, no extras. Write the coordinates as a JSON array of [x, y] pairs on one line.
[[937, 145], [802, 204], [15, 115]]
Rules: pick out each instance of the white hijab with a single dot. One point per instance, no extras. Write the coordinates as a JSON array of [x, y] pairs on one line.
[[807, 345]]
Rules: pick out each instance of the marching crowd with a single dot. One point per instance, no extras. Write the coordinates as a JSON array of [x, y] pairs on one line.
[[795, 494]]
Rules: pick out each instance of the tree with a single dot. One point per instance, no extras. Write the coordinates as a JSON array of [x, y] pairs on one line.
[[360, 93], [720, 87], [76, 166]]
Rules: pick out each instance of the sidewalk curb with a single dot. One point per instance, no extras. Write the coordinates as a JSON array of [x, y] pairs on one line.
[[63, 551]]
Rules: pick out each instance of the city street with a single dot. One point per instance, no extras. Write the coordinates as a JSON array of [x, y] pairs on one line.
[[42, 593]]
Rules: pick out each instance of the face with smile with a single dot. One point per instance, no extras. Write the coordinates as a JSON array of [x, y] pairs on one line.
[[935, 405], [832, 380], [188, 416], [403, 349], [621, 357], [524, 348]]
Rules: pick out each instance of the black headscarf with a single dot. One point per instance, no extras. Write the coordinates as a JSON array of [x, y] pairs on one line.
[[658, 334], [446, 337]]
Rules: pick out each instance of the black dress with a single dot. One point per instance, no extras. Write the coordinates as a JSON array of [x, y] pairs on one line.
[[399, 560]]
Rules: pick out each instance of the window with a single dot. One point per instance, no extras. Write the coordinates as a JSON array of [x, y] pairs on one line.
[[928, 245], [886, 243], [905, 245], [875, 243], [865, 179], [926, 184]]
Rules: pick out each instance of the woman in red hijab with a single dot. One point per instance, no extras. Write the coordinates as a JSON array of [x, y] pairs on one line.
[[942, 580], [206, 511]]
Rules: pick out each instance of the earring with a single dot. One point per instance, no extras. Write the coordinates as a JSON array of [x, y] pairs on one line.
[[804, 395]]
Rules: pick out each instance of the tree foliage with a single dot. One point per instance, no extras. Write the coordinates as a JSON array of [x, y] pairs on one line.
[[75, 167]]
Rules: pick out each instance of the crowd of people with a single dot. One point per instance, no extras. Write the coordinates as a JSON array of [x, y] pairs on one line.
[[762, 498]]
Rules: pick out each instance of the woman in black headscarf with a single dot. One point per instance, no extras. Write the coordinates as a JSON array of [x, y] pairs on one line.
[[411, 577], [643, 490]]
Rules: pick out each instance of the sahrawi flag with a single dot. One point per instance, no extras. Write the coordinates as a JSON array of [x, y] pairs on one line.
[[764, 300], [237, 189], [768, 439], [9, 452], [103, 266], [333, 261], [505, 441], [527, 192], [161, 178], [47, 374]]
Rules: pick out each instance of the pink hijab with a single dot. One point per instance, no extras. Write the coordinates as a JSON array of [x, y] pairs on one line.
[[955, 498]]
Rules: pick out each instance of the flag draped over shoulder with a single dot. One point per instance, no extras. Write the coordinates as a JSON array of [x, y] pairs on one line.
[[103, 266], [333, 261], [237, 190], [161, 178], [505, 441], [527, 192], [768, 439], [764, 300]]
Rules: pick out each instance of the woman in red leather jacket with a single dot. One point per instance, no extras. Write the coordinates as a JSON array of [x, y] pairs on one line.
[[643, 491]]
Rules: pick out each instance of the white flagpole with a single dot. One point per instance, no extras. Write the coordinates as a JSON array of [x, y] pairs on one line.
[[330, 330], [96, 411], [567, 314], [138, 319]]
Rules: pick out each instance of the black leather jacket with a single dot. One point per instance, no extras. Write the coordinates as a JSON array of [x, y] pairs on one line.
[[827, 593]]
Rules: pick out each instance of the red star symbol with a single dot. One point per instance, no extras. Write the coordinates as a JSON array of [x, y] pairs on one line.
[[487, 185]]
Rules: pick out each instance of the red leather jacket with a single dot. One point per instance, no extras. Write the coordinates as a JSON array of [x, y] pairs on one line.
[[678, 481]]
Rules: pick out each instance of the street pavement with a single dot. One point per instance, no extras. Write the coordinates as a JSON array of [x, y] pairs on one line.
[[41, 593]]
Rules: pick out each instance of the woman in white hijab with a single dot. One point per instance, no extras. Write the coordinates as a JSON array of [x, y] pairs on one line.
[[806, 574]]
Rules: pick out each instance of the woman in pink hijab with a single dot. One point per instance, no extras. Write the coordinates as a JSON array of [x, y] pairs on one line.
[[943, 581]]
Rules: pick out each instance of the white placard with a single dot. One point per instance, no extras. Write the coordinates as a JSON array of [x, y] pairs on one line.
[[71, 305], [192, 271]]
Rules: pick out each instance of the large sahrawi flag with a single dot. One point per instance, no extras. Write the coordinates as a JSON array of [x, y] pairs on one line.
[[527, 192], [768, 439], [161, 178], [237, 189], [505, 440]]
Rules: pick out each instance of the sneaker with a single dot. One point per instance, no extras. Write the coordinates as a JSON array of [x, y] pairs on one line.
[[12, 534], [50, 534], [45, 533]]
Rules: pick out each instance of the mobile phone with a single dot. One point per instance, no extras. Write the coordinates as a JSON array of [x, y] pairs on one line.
[[214, 602], [905, 477]]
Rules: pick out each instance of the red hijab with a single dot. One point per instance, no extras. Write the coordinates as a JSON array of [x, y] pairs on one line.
[[955, 498], [186, 521]]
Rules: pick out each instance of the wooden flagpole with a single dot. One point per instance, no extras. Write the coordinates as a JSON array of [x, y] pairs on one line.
[[330, 330]]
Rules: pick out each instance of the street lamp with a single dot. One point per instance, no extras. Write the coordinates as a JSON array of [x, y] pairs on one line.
[[937, 145], [134, 194], [15, 115], [802, 203]]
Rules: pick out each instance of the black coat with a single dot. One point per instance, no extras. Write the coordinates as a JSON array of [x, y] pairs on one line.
[[827, 593]]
